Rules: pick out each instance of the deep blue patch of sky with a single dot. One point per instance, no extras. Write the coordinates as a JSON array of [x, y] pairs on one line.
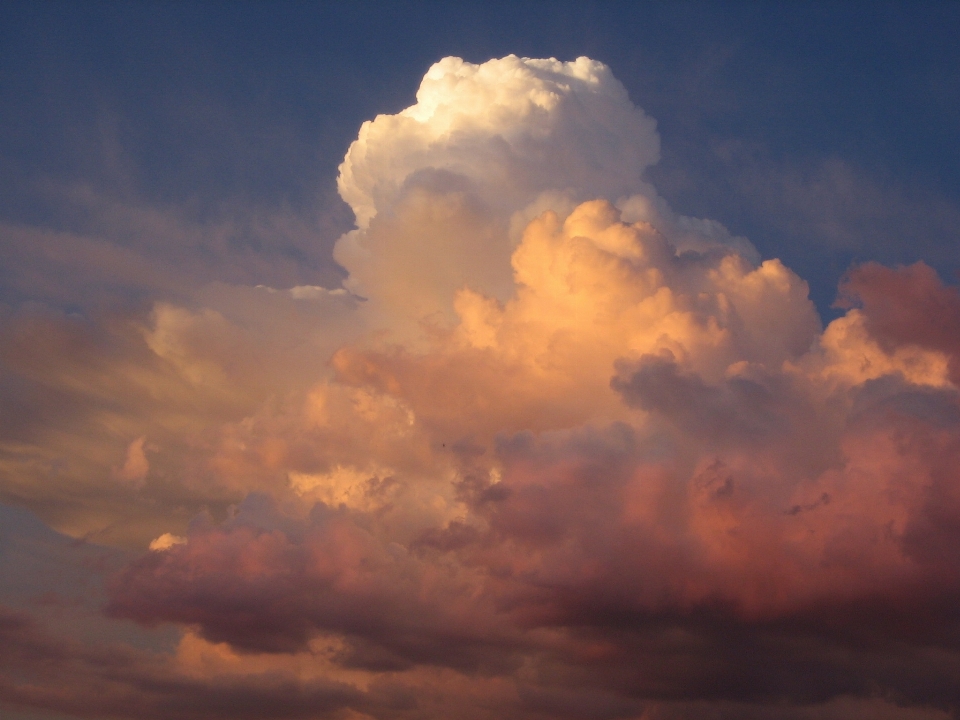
[[827, 133]]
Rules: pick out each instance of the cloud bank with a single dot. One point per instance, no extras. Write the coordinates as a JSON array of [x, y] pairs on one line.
[[559, 452]]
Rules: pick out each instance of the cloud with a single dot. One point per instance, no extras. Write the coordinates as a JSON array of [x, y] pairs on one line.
[[166, 541], [100, 250], [135, 466], [85, 680], [639, 443], [512, 128], [554, 451], [907, 306], [442, 190]]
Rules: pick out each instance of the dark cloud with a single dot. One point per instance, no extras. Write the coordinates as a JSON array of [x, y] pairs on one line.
[[273, 591], [742, 410], [41, 670], [907, 306]]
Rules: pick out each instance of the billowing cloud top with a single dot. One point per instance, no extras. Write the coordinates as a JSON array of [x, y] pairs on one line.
[[511, 128], [573, 455], [443, 190]]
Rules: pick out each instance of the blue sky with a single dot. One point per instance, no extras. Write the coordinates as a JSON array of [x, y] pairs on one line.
[[826, 133]]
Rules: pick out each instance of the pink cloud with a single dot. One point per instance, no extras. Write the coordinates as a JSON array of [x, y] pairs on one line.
[[907, 305]]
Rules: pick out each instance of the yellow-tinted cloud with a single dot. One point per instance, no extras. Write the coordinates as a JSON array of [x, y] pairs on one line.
[[559, 450]]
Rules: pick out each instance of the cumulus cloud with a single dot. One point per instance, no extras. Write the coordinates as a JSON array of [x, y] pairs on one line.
[[512, 129], [558, 452], [907, 307], [442, 190]]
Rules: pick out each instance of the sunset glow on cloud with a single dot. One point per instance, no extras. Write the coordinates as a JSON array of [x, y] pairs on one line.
[[554, 450]]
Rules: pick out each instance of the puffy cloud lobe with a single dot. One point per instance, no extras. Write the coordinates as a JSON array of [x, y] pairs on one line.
[[512, 128], [741, 410], [443, 190], [590, 290], [273, 589], [736, 537], [907, 306]]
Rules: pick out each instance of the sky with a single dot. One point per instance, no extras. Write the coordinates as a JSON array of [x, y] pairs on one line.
[[525, 361]]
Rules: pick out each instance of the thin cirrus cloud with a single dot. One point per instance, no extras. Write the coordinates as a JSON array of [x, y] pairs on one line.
[[555, 451]]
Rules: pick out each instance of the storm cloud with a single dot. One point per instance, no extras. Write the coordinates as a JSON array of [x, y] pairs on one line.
[[552, 451]]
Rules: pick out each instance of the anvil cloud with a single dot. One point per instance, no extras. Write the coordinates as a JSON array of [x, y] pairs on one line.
[[554, 451]]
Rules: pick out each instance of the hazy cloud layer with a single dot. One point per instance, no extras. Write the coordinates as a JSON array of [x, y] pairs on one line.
[[553, 451]]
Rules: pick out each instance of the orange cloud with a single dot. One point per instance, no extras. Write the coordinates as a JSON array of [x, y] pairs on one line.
[[558, 452]]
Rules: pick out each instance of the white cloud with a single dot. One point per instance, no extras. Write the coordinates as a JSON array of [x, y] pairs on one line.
[[443, 189], [512, 128]]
